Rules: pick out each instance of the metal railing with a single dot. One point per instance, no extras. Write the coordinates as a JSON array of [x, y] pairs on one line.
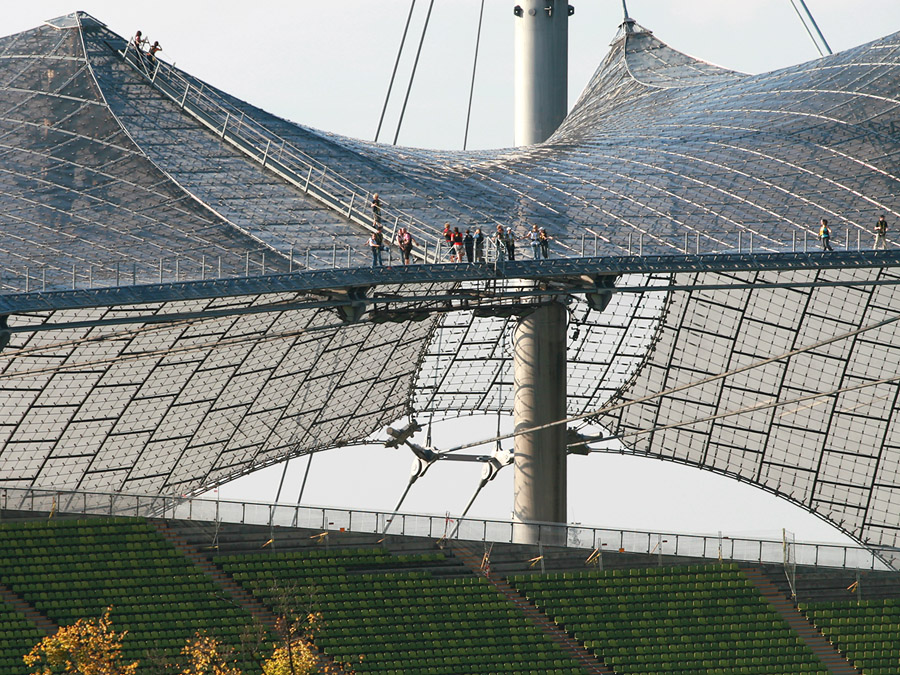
[[262, 261], [435, 526], [353, 201], [187, 267], [277, 154]]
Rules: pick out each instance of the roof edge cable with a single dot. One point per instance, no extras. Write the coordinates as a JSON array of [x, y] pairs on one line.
[[807, 15], [387, 98]]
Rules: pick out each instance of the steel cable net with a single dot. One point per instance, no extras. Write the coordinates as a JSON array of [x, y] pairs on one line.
[[662, 154], [817, 427], [168, 408], [468, 364]]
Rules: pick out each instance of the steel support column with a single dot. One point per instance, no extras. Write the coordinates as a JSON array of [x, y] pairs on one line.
[[539, 362]]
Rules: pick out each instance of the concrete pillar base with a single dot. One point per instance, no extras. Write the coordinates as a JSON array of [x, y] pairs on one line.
[[540, 397]]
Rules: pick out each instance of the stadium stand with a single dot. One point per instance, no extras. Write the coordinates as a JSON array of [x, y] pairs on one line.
[[689, 619], [69, 569], [403, 605], [419, 613], [867, 632], [17, 636]]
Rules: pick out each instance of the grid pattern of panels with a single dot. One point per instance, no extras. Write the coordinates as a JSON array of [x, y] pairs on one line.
[[468, 364], [666, 147], [254, 200], [662, 153], [75, 189], [791, 388], [169, 407], [706, 154]]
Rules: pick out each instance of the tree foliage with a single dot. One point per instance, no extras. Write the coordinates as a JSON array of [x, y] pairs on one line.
[[293, 658], [91, 647], [87, 647], [205, 655]]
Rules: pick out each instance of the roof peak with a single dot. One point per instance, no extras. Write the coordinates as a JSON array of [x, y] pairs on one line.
[[630, 27], [77, 19]]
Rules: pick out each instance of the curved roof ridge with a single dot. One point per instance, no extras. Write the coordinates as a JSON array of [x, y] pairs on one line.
[[637, 64], [146, 156], [677, 69]]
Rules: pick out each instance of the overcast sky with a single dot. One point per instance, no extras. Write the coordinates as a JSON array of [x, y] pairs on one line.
[[327, 64]]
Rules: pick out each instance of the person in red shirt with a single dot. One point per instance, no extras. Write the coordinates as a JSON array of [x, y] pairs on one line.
[[448, 237], [457, 246]]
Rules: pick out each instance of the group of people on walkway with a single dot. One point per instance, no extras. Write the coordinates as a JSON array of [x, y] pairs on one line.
[[537, 237], [461, 246], [466, 246], [404, 241], [470, 247], [880, 234]]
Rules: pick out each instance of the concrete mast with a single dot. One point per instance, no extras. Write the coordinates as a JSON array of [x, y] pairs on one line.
[[541, 68], [539, 361]]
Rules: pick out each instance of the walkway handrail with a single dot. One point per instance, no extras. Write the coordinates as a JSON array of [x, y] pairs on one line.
[[341, 265], [443, 527], [275, 153], [194, 266]]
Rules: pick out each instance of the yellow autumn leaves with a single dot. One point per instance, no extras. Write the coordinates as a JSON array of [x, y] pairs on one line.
[[92, 647]]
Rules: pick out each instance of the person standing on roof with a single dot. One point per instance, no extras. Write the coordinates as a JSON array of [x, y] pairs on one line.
[[376, 210], [405, 241], [153, 49], [139, 41], [545, 243], [379, 239], [825, 235], [534, 238], [500, 244], [510, 241], [448, 238], [479, 245], [881, 232], [375, 247], [469, 245], [457, 245]]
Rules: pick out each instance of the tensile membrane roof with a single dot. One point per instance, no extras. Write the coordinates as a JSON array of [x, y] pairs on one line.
[[792, 386]]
